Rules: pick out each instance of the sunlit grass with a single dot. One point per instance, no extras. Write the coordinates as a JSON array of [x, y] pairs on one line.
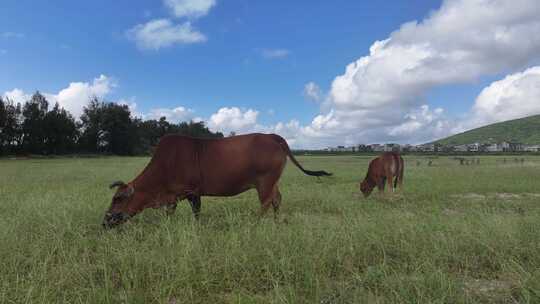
[[457, 234]]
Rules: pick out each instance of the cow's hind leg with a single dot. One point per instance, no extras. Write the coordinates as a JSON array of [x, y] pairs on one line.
[[276, 201], [195, 201], [268, 195]]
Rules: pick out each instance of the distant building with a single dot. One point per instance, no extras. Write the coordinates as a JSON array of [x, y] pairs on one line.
[[531, 148], [461, 148], [377, 148], [473, 147], [392, 148], [512, 146], [363, 148], [407, 148], [426, 148], [492, 148]]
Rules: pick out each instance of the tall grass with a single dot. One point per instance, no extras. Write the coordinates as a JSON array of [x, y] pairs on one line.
[[456, 234]]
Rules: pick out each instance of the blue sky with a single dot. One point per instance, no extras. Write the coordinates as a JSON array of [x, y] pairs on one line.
[[253, 56]]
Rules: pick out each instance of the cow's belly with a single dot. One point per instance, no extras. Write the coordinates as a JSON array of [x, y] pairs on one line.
[[227, 186], [227, 192]]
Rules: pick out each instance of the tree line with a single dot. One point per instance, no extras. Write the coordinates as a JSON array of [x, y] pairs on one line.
[[104, 127]]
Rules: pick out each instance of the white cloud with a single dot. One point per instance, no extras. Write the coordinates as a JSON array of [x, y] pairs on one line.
[[274, 53], [74, 97], [160, 33], [132, 105], [17, 96], [515, 96], [312, 92], [190, 8], [77, 94], [174, 115], [373, 99], [424, 124], [233, 119], [163, 32]]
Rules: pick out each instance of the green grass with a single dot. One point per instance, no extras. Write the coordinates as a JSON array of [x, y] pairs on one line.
[[524, 130], [457, 234]]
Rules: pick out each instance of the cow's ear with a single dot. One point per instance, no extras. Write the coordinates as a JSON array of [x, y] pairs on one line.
[[125, 193], [117, 184], [130, 190]]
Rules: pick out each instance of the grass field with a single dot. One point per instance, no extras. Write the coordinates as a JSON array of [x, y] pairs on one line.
[[456, 234]]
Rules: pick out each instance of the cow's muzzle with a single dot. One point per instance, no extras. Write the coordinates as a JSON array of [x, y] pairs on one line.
[[114, 219]]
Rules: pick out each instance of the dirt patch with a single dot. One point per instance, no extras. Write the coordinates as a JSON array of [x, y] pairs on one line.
[[499, 195], [449, 212], [491, 291], [469, 196], [507, 196], [515, 196]]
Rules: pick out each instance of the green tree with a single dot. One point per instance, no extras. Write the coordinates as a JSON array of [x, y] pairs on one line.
[[91, 127], [33, 126], [196, 129], [3, 121], [108, 127], [60, 131], [11, 137], [120, 133]]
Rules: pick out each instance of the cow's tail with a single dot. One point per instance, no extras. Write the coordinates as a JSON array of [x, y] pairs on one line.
[[287, 150]]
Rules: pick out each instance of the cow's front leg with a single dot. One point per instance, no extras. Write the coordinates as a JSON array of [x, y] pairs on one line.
[[195, 201], [390, 182], [170, 209], [380, 185]]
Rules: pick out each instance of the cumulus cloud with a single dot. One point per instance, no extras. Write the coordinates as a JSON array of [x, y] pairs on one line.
[[515, 96], [74, 97], [132, 105], [233, 119], [160, 33], [190, 8], [174, 115], [164, 32], [77, 94], [312, 92], [463, 40], [17, 96], [274, 53]]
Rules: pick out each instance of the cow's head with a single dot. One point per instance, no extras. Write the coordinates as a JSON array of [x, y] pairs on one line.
[[123, 205], [366, 187]]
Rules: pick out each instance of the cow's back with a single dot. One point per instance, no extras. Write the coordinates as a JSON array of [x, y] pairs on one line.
[[232, 165]]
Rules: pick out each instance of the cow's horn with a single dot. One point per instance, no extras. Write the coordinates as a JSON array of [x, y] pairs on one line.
[[117, 184]]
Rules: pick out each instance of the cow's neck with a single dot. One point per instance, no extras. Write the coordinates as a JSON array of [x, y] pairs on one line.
[[149, 180]]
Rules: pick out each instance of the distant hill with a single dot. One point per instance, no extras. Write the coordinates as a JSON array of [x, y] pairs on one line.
[[524, 130]]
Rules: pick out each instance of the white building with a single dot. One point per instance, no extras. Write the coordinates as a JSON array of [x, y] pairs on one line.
[[531, 148], [461, 148], [493, 148]]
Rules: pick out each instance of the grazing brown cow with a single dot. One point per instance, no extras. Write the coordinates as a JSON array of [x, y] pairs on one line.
[[382, 170], [184, 167]]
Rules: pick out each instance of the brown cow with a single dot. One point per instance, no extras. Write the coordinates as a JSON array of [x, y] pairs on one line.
[[184, 167], [382, 170]]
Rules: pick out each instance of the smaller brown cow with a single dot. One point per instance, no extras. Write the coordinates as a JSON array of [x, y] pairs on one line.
[[387, 168]]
